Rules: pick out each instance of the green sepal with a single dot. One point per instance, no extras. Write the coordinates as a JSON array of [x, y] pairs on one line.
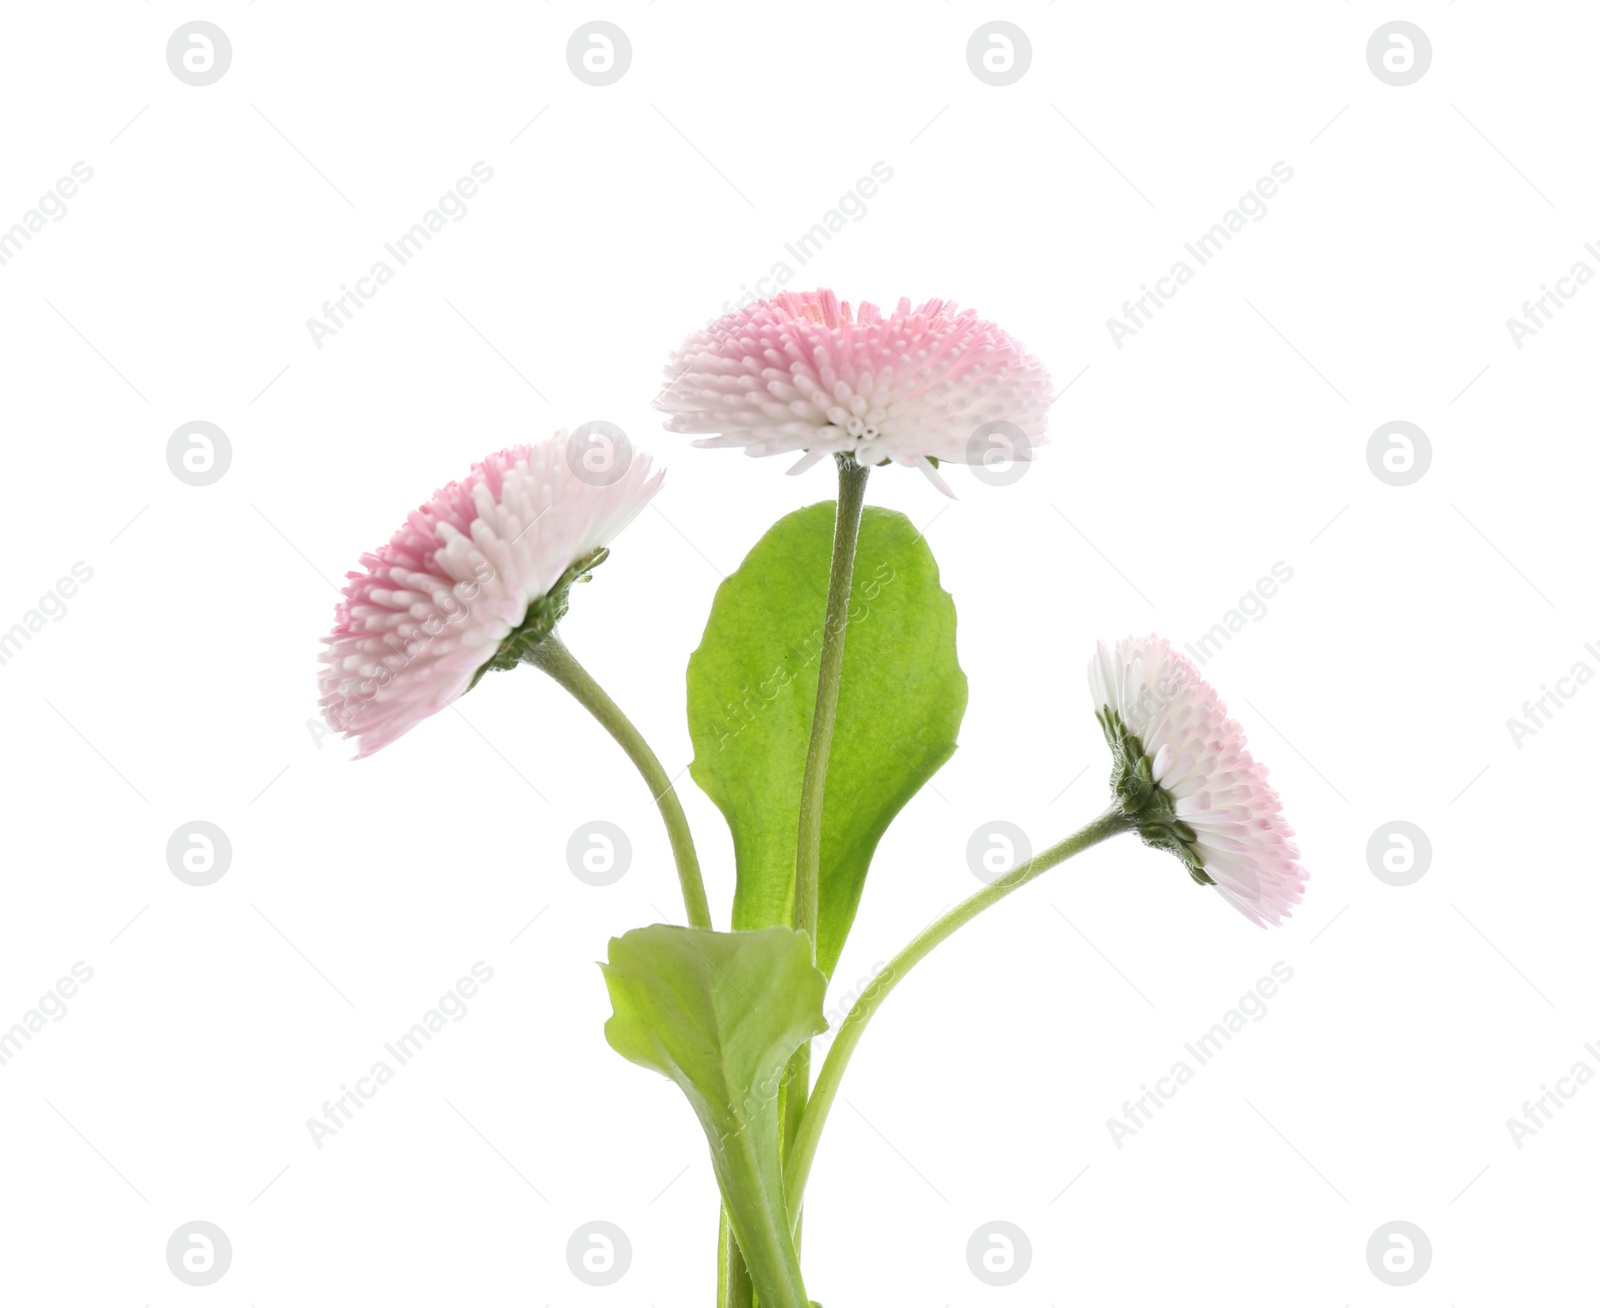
[[541, 618], [1145, 801]]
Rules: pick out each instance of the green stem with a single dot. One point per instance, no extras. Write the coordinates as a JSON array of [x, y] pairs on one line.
[[734, 1286], [797, 1085], [551, 656], [759, 1229], [808, 844], [836, 619], [804, 1149]]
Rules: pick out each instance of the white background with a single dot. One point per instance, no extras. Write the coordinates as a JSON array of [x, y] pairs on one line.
[[1226, 436]]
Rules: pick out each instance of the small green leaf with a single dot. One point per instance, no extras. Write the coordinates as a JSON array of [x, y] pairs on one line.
[[753, 691], [720, 1013]]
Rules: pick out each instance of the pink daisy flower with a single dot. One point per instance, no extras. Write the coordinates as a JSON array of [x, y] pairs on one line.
[[475, 577], [1181, 770], [801, 372]]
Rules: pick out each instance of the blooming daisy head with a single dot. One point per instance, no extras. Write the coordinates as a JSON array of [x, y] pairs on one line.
[[1181, 772], [802, 372], [474, 579]]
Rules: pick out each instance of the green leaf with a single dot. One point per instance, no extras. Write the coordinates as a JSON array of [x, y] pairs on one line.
[[753, 691], [720, 1014]]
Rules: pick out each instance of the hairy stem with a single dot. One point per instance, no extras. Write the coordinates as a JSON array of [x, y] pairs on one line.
[[734, 1286]]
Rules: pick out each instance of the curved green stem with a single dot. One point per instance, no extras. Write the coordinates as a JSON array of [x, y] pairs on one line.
[[551, 656], [801, 1153]]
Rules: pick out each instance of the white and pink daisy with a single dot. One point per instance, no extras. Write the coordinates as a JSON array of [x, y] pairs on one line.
[[1182, 772], [475, 578], [801, 372]]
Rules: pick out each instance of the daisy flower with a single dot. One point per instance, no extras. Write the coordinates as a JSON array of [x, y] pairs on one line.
[[802, 372], [474, 579], [1182, 772]]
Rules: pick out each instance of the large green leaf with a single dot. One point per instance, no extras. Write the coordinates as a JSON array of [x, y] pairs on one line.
[[753, 690], [720, 1014]]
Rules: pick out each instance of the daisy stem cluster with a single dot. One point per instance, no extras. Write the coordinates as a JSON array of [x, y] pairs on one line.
[[552, 656], [797, 1168], [477, 579]]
